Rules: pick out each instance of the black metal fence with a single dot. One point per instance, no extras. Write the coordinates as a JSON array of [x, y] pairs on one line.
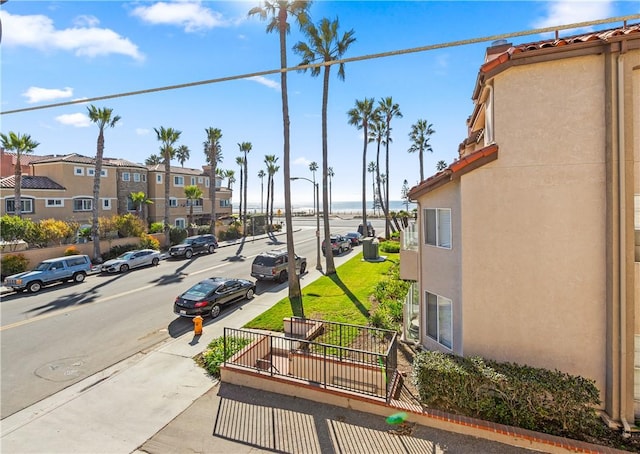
[[355, 358]]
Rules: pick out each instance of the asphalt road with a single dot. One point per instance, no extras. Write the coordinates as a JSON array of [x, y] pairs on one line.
[[65, 333]]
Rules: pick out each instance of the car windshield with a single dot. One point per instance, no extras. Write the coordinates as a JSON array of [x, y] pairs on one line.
[[42, 266], [125, 256], [201, 289], [264, 260]]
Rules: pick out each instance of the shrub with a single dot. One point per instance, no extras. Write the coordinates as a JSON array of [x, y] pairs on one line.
[[156, 227], [13, 228], [203, 229], [177, 235], [55, 231], [129, 225], [13, 264], [232, 233], [149, 242], [71, 250], [35, 236], [390, 246], [215, 353]]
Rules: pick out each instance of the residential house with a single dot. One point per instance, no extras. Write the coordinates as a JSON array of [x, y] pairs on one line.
[[8, 162], [524, 250]]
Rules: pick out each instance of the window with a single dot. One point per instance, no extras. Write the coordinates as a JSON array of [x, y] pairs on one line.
[[178, 180], [224, 203], [78, 171], [26, 205], [125, 176], [439, 319], [91, 171], [200, 180], [173, 202], [52, 203], [144, 177], [180, 223], [193, 181], [488, 118], [131, 206], [158, 178], [195, 203], [136, 177], [103, 172], [437, 227], [206, 182], [106, 204], [82, 204]]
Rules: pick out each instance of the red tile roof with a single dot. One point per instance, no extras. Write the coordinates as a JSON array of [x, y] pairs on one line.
[[30, 182], [80, 159]]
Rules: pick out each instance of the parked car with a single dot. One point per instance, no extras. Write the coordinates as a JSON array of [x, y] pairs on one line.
[[207, 297], [370, 230], [61, 269], [274, 265], [131, 259], [339, 244], [355, 238], [192, 245]]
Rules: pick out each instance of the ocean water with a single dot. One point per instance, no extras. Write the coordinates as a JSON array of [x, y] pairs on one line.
[[344, 207]]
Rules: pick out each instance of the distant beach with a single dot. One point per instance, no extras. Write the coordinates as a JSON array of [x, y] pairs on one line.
[[344, 207]]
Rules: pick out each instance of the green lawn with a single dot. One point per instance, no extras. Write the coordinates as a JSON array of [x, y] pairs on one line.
[[343, 297]]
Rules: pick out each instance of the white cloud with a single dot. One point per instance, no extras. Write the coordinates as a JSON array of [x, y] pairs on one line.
[[143, 131], [39, 32], [302, 162], [266, 82], [564, 12], [188, 14], [77, 120], [86, 21], [38, 94]]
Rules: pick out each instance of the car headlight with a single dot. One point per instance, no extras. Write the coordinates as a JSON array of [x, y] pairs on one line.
[[19, 281]]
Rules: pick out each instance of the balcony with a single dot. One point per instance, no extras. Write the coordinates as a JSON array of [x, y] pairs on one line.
[[409, 253]]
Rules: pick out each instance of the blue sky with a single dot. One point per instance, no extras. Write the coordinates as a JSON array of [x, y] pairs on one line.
[[55, 51]]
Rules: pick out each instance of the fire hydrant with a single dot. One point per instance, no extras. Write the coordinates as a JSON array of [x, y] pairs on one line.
[[197, 325]]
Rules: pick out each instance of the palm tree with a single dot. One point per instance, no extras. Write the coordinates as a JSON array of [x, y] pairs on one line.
[[240, 162], [419, 135], [278, 11], [360, 117], [182, 154], [103, 118], [371, 168], [273, 169], [313, 166], [212, 151], [192, 193], [324, 45], [330, 174], [261, 175], [245, 147], [388, 110], [153, 160], [441, 165], [139, 199], [21, 144], [270, 161], [377, 134], [168, 137], [230, 175]]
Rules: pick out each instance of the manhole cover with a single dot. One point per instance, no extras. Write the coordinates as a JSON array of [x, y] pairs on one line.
[[64, 369]]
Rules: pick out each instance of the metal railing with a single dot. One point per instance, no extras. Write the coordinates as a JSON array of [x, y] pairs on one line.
[[354, 358]]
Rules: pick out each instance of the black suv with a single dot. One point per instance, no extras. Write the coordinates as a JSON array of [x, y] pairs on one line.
[[197, 244], [370, 231], [273, 266]]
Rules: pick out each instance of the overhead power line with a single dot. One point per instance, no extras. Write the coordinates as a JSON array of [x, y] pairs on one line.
[[334, 62]]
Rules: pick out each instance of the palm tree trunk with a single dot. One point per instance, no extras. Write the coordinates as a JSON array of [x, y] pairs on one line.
[[212, 190], [420, 155], [167, 176], [379, 184], [387, 224], [331, 267], [267, 207], [246, 183], [364, 182], [272, 194], [241, 186], [17, 202], [95, 234]]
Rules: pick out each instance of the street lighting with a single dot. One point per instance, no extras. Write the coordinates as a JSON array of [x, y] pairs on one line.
[[317, 197]]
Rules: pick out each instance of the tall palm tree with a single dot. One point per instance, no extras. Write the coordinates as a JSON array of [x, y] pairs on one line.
[[245, 147], [419, 135], [192, 193], [361, 116], [330, 174], [168, 137], [371, 168], [103, 118], [273, 169], [153, 160], [441, 165], [388, 111], [313, 166], [240, 162], [325, 45], [261, 175], [230, 175], [21, 144], [182, 154], [377, 134], [277, 11], [270, 161], [212, 151], [139, 200]]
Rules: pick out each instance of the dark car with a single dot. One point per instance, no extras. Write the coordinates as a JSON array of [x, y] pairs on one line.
[[274, 265], [207, 297], [339, 244], [354, 237], [370, 230], [192, 245]]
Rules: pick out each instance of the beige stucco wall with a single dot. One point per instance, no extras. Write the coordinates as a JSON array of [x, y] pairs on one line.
[[533, 269]]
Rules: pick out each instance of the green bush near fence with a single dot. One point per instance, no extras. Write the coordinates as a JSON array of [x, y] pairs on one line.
[[215, 354], [389, 246], [537, 399], [13, 264]]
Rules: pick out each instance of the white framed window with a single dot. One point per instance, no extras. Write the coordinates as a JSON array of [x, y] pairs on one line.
[[218, 183], [178, 180], [206, 182], [131, 206], [193, 181], [437, 227], [225, 203], [26, 205], [195, 203], [200, 180], [125, 176], [103, 172], [144, 177], [180, 223], [173, 202], [158, 178], [136, 177], [54, 203], [82, 204], [488, 118], [78, 171], [439, 315], [91, 171], [106, 204]]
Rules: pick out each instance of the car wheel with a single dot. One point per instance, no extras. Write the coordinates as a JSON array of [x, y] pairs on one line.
[[303, 268], [155, 261], [249, 294], [215, 311], [34, 286], [124, 268], [188, 254], [78, 277], [283, 277], [211, 249]]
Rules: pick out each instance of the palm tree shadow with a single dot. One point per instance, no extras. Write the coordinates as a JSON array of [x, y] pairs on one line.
[[336, 280], [273, 239]]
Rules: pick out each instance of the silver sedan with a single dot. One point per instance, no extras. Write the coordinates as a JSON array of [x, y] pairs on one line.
[[131, 259]]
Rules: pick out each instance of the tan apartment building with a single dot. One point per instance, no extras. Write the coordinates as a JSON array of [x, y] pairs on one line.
[[524, 249]]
